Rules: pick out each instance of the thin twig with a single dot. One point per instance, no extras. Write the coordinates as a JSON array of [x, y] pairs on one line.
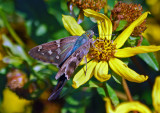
[[126, 89], [140, 40]]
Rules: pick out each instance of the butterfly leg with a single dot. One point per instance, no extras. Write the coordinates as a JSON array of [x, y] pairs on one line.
[[85, 58]]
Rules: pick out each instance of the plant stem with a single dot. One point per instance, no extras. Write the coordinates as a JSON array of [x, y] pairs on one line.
[[126, 89], [10, 29], [140, 40]]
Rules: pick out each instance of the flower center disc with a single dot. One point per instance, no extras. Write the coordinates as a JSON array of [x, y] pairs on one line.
[[102, 50]]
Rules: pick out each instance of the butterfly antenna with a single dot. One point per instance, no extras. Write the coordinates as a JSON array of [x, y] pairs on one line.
[[93, 27], [96, 25]]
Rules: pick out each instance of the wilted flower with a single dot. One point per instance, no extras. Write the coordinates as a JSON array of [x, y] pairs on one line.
[[129, 13], [95, 5]]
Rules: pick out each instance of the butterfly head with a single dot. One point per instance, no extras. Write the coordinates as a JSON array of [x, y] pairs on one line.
[[89, 33]]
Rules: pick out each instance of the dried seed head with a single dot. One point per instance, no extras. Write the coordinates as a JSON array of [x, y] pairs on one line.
[[16, 79], [128, 12], [96, 5]]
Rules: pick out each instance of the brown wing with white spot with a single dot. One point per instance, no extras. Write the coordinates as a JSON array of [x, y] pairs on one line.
[[73, 61], [55, 52]]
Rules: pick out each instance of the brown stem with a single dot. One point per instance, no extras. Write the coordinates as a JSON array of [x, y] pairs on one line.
[[126, 89], [140, 40], [121, 95]]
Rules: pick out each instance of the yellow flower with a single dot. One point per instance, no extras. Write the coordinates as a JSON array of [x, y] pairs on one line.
[[126, 107], [13, 104], [156, 95], [106, 50]]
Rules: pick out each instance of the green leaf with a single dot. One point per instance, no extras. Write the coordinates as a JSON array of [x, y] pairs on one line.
[[132, 41], [15, 49], [145, 42], [93, 84], [122, 24], [38, 67], [7, 5], [42, 71], [59, 34], [150, 59], [111, 3], [16, 61], [116, 77], [81, 110], [72, 101], [112, 95], [93, 20], [41, 30], [101, 92]]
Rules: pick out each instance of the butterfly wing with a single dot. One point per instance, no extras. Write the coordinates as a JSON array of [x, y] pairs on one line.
[[55, 52], [58, 88], [73, 61], [68, 68]]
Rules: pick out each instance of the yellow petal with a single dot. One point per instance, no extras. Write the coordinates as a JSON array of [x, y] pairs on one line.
[[72, 26], [156, 95], [123, 70], [80, 78], [128, 51], [101, 71], [127, 107], [12, 103], [108, 106], [104, 23], [120, 40]]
